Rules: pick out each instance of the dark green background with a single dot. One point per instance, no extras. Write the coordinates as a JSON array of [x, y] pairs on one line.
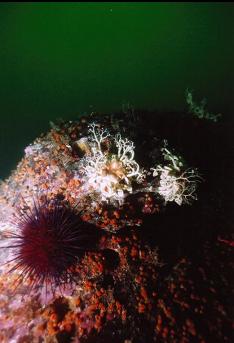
[[65, 59]]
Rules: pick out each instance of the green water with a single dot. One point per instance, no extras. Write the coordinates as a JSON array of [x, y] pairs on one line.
[[65, 59]]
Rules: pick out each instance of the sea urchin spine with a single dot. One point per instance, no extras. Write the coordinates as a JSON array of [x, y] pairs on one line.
[[52, 238]]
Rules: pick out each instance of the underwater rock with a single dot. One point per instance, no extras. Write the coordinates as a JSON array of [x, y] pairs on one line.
[[119, 176]]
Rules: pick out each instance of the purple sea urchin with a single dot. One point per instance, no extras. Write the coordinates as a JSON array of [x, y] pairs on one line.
[[52, 238]]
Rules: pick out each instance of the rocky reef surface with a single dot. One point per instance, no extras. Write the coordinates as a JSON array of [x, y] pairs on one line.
[[156, 189]]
